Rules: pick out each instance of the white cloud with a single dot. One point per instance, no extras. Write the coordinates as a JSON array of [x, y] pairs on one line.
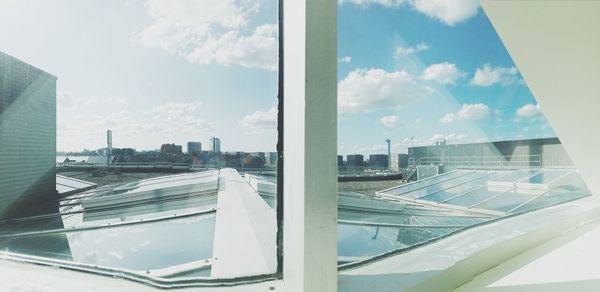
[[468, 112], [405, 51], [443, 73], [488, 76], [449, 12], [369, 90], [95, 101], [183, 116], [448, 118], [529, 111], [176, 108], [211, 32], [450, 138], [345, 59], [65, 100], [260, 121], [390, 121], [454, 137], [385, 3], [258, 50]]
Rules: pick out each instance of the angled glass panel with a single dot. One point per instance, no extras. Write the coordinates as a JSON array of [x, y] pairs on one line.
[[426, 182], [141, 247], [442, 186]]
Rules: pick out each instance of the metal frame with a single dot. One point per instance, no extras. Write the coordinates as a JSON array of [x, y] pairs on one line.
[[280, 140], [485, 162]]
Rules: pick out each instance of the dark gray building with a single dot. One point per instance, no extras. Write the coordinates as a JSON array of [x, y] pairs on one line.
[[355, 161], [194, 147], [27, 139], [546, 152], [170, 149], [340, 161], [378, 161], [261, 155]]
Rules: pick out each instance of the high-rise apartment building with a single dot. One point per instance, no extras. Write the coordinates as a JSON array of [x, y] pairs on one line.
[[214, 144]]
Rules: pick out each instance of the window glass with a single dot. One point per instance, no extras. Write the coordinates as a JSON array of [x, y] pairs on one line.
[[437, 131], [138, 138]]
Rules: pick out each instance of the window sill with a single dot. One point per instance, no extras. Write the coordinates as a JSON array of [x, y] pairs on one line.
[[28, 277]]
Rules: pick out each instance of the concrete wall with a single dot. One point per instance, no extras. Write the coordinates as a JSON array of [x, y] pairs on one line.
[[27, 138], [426, 171], [547, 152]]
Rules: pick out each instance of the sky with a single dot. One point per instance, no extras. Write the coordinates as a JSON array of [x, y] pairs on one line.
[[161, 71], [421, 71], [153, 72]]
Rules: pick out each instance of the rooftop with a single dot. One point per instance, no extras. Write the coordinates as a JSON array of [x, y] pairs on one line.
[[174, 229]]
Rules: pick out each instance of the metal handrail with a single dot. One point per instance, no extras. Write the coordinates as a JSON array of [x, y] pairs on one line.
[[486, 162]]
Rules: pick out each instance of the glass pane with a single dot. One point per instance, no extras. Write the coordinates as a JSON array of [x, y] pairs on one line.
[[141, 248], [133, 134], [437, 130]]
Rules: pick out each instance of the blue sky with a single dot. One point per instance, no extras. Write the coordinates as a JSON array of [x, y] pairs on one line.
[[161, 71], [427, 69]]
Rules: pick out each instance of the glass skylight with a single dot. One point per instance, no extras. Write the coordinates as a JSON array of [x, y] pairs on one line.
[[157, 229]]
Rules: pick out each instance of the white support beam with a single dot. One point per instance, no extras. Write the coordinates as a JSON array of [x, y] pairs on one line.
[[245, 229], [310, 145]]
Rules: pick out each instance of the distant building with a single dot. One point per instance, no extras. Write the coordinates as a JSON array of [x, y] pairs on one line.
[[194, 148], [378, 161], [340, 161], [271, 159], [399, 161], [546, 152], [258, 154], [210, 159], [355, 161], [27, 139], [170, 149], [254, 160], [214, 144], [233, 159]]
